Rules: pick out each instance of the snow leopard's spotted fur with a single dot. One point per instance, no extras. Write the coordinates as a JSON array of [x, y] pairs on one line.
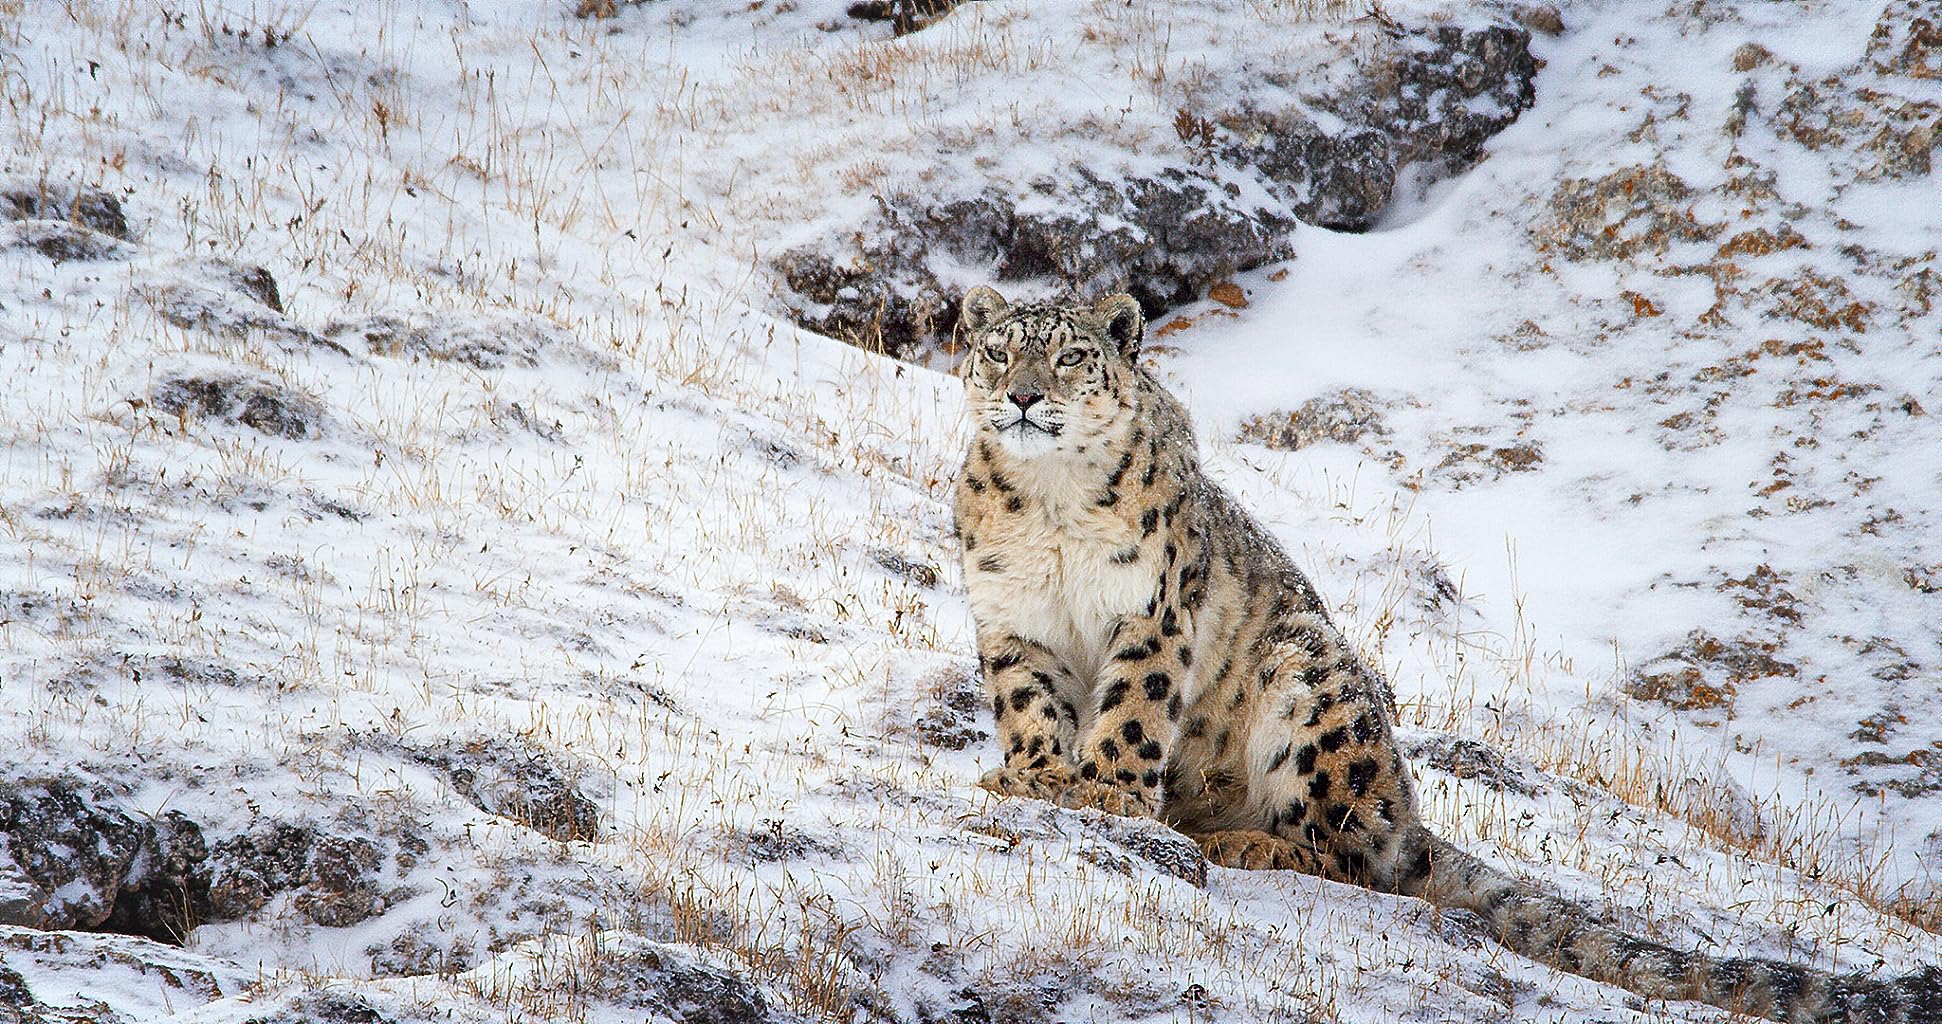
[[1149, 650]]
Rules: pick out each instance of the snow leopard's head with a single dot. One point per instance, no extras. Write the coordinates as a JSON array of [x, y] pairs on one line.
[[1046, 377]]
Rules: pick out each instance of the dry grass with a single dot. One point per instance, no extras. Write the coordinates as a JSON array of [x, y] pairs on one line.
[[482, 549]]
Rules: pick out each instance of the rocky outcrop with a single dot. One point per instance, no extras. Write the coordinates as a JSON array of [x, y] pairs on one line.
[[72, 859], [1429, 98], [77, 978]]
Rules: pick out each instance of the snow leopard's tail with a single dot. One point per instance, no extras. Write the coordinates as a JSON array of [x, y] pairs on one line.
[[1552, 930]]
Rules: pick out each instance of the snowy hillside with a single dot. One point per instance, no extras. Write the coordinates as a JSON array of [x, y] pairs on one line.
[[441, 579]]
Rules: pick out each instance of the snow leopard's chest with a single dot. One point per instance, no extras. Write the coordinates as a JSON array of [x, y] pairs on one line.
[[1065, 584]]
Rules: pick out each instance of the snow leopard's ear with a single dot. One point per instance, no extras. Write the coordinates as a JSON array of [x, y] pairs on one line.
[[1120, 317], [982, 307]]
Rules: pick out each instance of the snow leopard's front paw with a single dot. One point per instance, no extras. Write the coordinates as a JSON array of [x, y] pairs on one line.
[[1037, 783], [1255, 851], [1089, 795]]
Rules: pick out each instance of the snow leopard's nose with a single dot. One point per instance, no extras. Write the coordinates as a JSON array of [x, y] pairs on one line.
[[1025, 399]]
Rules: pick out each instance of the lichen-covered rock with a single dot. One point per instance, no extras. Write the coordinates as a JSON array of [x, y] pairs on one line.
[[1471, 759], [1123, 845], [1630, 212], [73, 860], [165, 890], [325, 1007], [1706, 672], [418, 953], [904, 16], [1162, 238], [337, 879], [244, 871], [777, 841], [341, 888], [70, 857], [257, 283], [1344, 417], [1160, 847], [1455, 88], [1342, 179], [953, 699]]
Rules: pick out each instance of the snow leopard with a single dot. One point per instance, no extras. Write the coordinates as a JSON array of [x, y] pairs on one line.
[[1148, 649]]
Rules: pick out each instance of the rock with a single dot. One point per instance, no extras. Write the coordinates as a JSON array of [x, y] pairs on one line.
[[341, 889], [1344, 417], [13, 989], [1456, 88], [1630, 212], [1228, 294], [257, 283], [412, 954], [165, 892], [60, 241], [1907, 41], [228, 299], [1429, 96], [1338, 181], [1471, 462], [911, 570], [483, 341], [778, 841], [1131, 844], [855, 303], [71, 858], [264, 406], [76, 862], [1163, 238], [905, 16], [1159, 846], [187, 671], [685, 983], [222, 297], [517, 781], [1471, 759], [325, 1008], [1544, 19], [1706, 672], [89, 208], [337, 878], [952, 700], [244, 871], [1750, 56], [134, 978]]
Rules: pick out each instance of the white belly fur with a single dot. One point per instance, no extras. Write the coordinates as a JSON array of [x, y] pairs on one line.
[[1064, 592]]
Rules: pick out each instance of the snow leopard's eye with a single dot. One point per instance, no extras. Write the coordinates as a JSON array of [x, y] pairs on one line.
[[995, 353], [1072, 357]]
